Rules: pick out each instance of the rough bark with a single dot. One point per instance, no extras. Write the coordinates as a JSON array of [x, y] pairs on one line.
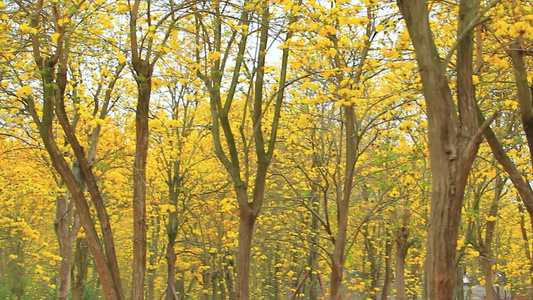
[[453, 138]]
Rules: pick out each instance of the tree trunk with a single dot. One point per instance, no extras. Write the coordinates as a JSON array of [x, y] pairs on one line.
[[486, 255], [526, 110], [525, 238], [525, 99], [174, 185], [313, 288], [388, 270], [143, 71], [337, 258], [152, 259], [459, 290], [61, 224], [453, 138], [229, 154], [95, 291], [81, 264], [246, 226], [402, 246], [108, 278]]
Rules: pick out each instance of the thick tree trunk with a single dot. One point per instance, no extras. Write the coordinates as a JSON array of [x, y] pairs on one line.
[[246, 226], [452, 137]]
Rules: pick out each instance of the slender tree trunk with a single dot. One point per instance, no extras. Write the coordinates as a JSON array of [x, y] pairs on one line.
[[337, 258], [143, 77], [229, 280], [81, 265], [526, 110], [95, 291], [525, 99], [388, 270], [174, 185], [402, 246], [486, 255], [152, 259], [459, 290], [62, 223], [525, 238], [313, 288]]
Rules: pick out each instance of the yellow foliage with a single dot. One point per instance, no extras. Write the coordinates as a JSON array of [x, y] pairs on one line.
[[24, 91]]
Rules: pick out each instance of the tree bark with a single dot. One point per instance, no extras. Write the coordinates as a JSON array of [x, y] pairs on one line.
[[246, 225], [143, 76], [88, 177], [388, 270], [402, 246], [337, 258], [61, 224], [81, 264], [486, 255], [453, 138], [174, 185]]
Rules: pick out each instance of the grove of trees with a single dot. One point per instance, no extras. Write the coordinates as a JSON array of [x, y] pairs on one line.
[[266, 149]]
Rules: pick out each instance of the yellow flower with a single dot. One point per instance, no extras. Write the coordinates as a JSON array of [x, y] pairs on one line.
[[24, 91]]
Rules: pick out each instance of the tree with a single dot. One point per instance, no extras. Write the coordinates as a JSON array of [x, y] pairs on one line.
[[52, 66], [211, 69], [453, 135]]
